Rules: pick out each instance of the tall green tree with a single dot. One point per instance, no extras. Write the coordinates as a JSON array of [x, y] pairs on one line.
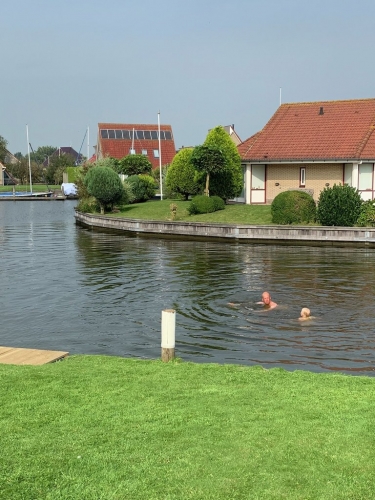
[[181, 174], [3, 148], [228, 183], [210, 160], [56, 167], [42, 153], [135, 165]]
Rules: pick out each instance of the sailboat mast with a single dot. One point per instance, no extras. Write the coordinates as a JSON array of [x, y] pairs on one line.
[[28, 153], [88, 143]]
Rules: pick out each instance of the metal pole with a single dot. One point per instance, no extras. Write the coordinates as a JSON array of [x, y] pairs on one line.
[[28, 152], [161, 176]]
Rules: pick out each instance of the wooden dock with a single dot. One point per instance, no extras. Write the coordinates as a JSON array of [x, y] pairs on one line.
[[20, 356]]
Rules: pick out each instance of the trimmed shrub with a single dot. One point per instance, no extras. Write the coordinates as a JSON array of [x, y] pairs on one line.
[[293, 207], [134, 165], [105, 185], [202, 204], [339, 206], [142, 186], [367, 215]]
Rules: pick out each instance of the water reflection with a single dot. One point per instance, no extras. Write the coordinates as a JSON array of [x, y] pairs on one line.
[[90, 292]]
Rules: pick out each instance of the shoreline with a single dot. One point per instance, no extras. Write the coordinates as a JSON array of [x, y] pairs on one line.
[[235, 233]]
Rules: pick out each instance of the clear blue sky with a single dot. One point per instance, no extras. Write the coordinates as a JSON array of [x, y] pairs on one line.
[[69, 64]]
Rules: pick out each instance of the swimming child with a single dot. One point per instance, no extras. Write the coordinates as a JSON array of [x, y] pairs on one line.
[[305, 314]]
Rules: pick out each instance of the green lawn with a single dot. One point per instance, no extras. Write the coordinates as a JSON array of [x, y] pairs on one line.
[[95, 427], [37, 188], [232, 214]]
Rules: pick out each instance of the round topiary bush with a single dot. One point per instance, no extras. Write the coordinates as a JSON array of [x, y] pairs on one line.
[[202, 204], [105, 185], [339, 206], [293, 207]]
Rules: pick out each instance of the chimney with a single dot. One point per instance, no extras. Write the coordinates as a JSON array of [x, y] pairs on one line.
[[321, 111]]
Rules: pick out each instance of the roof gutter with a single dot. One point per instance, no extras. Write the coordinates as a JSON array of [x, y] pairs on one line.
[[285, 162]]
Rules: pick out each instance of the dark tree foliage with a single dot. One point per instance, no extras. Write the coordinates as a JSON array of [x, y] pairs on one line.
[[105, 185], [134, 165], [339, 206], [57, 165], [142, 187], [3, 148], [208, 159]]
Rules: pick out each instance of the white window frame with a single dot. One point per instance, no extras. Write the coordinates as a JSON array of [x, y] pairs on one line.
[[302, 176], [156, 153]]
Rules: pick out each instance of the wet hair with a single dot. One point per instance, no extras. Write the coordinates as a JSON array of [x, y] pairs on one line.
[[305, 312]]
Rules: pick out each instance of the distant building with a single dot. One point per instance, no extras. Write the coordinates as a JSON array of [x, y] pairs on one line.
[[118, 140], [66, 150], [10, 159], [229, 129]]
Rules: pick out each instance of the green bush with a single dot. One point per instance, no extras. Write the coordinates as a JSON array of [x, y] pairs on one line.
[[88, 205], [142, 186], [339, 206], [293, 207], [202, 204], [134, 165], [105, 185], [367, 215], [73, 172]]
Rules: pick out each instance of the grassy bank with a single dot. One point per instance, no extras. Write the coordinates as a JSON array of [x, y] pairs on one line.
[[93, 427], [233, 214], [37, 188]]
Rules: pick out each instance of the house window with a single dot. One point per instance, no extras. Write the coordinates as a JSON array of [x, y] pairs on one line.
[[302, 177], [156, 153], [144, 152], [132, 151]]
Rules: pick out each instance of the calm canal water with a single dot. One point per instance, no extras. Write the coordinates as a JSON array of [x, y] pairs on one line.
[[67, 288]]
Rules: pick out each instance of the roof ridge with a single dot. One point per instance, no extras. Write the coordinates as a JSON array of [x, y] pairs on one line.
[[328, 101], [366, 138]]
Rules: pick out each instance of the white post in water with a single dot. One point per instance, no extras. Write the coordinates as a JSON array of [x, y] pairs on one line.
[[168, 329]]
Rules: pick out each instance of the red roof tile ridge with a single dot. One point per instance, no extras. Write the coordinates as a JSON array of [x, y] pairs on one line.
[[251, 140], [366, 138], [365, 99]]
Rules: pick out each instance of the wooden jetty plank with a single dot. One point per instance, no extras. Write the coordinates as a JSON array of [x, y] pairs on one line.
[[21, 356]]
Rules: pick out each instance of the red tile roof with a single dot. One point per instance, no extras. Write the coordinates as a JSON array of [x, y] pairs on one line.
[[325, 130], [118, 148]]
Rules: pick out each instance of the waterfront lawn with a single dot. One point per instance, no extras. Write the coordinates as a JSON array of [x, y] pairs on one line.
[[95, 427], [37, 188], [232, 214]]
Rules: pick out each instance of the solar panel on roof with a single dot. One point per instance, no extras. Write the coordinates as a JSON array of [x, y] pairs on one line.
[[126, 134], [111, 134], [147, 134], [154, 134], [118, 134], [168, 135], [140, 134], [104, 134]]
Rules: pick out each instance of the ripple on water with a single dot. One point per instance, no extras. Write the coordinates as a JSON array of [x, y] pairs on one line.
[[64, 287]]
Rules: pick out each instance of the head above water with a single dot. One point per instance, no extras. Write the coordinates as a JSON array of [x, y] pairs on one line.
[[266, 298], [305, 312]]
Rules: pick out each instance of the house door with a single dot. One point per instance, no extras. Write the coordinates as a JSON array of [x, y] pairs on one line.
[[258, 184]]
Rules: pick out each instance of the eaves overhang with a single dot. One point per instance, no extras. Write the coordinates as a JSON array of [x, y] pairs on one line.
[[306, 160]]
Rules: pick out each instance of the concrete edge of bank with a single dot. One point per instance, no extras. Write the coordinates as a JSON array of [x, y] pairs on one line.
[[297, 235]]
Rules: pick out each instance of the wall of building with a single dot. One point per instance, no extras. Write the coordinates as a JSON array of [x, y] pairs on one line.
[[288, 177]]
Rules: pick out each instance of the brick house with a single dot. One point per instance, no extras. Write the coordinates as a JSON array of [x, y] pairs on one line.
[[309, 146], [119, 140]]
